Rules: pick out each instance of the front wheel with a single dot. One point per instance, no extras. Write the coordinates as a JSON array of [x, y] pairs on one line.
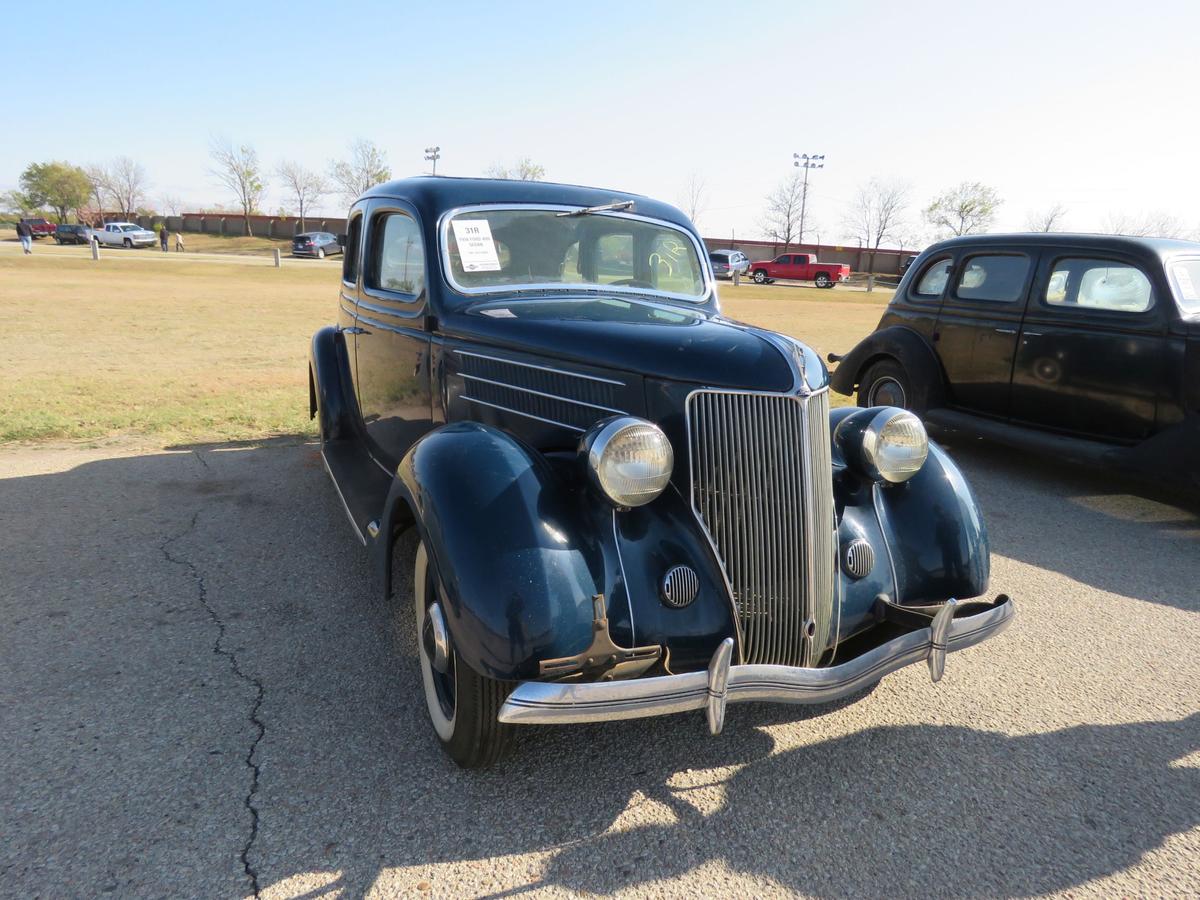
[[463, 705], [886, 384], [760, 276], [128, 244]]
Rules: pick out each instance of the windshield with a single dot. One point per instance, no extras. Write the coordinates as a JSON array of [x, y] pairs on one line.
[[130, 228], [1185, 281], [509, 249]]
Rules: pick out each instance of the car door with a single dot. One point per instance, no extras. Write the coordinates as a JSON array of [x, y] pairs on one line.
[[392, 345], [977, 326], [1090, 359]]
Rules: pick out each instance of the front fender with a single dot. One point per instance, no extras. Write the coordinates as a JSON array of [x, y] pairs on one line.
[[908, 348]]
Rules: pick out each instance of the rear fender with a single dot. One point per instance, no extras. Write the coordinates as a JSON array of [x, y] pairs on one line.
[[907, 347], [330, 388]]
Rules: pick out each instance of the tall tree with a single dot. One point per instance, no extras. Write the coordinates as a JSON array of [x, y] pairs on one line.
[[237, 168], [524, 169], [968, 208], [171, 204], [366, 167], [693, 199], [1050, 219], [877, 214], [781, 219], [121, 183], [306, 186], [59, 185]]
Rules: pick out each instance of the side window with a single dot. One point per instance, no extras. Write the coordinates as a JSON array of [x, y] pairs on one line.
[[350, 256], [933, 280], [1099, 284], [397, 258], [614, 258], [997, 279]]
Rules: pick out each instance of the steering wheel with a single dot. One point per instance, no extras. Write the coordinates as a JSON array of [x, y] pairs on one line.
[[631, 282]]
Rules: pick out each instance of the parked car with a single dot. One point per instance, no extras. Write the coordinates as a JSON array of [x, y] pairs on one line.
[[799, 267], [125, 234], [72, 234], [39, 227], [906, 262], [1082, 346], [627, 504], [317, 244], [726, 262]]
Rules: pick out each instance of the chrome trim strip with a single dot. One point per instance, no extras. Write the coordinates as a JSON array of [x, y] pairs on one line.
[[443, 230], [515, 362], [525, 390], [624, 581], [554, 703], [879, 517], [518, 412], [345, 506]]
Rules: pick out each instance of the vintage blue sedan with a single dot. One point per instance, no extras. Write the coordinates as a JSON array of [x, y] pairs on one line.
[[627, 504]]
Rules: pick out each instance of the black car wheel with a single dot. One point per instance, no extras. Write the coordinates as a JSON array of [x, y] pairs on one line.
[[320, 253], [823, 280], [760, 276], [128, 244], [463, 705], [886, 384]]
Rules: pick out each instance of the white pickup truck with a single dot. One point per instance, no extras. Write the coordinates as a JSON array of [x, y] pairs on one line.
[[125, 234]]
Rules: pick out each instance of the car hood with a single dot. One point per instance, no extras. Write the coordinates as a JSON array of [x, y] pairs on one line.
[[657, 340]]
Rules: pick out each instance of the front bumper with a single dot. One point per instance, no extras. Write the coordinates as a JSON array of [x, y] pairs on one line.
[[551, 703]]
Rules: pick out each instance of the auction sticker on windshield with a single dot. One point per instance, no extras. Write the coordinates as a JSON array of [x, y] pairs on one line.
[[475, 246]]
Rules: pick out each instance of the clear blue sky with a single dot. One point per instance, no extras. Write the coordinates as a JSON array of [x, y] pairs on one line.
[[1090, 104]]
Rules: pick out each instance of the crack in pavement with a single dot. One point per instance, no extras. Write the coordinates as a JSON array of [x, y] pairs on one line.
[[219, 650]]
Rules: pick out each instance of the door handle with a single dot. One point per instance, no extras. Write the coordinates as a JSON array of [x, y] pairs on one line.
[[1005, 330], [1033, 334], [354, 329]]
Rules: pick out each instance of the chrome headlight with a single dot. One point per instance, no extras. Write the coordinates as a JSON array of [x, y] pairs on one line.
[[629, 460], [885, 444]]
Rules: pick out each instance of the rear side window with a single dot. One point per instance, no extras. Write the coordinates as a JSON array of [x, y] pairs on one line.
[[933, 280], [350, 256], [1099, 284], [997, 279], [397, 258]]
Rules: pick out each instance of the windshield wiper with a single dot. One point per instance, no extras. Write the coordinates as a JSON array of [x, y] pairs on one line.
[[607, 207]]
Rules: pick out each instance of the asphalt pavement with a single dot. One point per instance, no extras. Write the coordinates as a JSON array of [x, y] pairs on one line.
[[201, 695]]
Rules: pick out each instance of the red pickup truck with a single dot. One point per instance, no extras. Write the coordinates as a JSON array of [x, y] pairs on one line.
[[40, 227], [799, 267]]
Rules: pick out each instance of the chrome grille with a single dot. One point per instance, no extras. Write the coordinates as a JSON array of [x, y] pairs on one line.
[[761, 485]]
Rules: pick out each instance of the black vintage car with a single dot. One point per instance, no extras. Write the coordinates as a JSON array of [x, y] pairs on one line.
[[627, 504], [1084, 346]]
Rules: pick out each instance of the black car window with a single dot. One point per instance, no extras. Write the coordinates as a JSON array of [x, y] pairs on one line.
[[996, 279], [350, 256], [933, 280], [1098, 284], [397, 257]]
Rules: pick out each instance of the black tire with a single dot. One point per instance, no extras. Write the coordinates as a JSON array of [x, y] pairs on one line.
[[128, 244], [760, 276], [463, 705], [886, 383], [823, 280], [320, 253]]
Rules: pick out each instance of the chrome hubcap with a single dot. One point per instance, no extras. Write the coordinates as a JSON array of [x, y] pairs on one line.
[[888, 392], [436, 639]]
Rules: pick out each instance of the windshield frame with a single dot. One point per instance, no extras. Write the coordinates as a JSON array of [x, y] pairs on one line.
[[1188, 309], [443, 232]]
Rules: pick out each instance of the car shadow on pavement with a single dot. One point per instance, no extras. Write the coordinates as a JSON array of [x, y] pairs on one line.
[[1112, 534], [205, 693]]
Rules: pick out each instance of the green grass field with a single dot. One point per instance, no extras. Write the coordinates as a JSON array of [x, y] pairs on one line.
[[179, 351]]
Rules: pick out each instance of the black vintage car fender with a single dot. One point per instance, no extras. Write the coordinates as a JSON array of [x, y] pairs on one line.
[[330, 387], [908, 348], [520, 552]]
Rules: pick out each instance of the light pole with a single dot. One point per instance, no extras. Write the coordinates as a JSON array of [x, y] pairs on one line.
[[433, 154], [805, 161]]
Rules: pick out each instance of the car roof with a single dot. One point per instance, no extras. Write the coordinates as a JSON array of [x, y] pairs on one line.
[[434, 195], [1161, 247]]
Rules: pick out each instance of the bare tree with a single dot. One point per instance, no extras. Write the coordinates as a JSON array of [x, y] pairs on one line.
[[693, 199], [524, 169], [968, 208], [305, 186], [237, 168], [122, 183], [1148, 224], [366, 167], [876, 214], [781, 219], [171, 204], [1047, 219]]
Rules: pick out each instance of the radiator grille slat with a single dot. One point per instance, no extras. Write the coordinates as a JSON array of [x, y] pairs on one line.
[[772, 526]]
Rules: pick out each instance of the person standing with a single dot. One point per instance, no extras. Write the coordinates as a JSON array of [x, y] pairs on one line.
[[162, 237], [25, 234], [178, 241]]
